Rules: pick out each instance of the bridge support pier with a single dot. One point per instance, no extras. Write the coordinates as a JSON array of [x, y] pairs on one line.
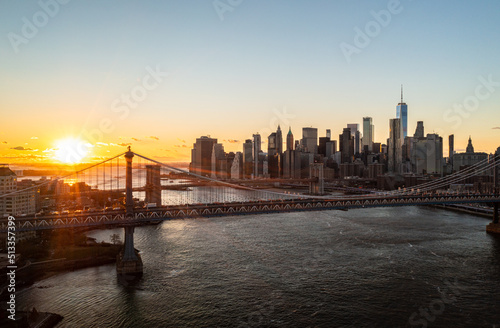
[[494, 227], [129, 261], [316, 186]]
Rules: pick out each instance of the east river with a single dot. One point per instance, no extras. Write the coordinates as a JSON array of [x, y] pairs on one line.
[[385, 267]]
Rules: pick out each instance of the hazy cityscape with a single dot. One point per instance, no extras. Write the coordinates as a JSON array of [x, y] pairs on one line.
[[249, 164]]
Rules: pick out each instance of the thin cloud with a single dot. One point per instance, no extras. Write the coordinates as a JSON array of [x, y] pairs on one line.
[[4, 142], [232, 141], [34, 138], [496, 128], [181, 140], [153, 137], [181, 146], [124, 144], [21, 148], [170, 150], [135, 139]]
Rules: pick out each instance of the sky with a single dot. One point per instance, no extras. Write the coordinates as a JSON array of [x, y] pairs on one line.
[[156, 75]]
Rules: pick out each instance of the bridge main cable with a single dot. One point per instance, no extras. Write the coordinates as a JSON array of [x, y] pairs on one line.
[[61, 177]]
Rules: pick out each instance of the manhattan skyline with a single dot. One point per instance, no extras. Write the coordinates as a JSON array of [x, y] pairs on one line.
[[157, 76]]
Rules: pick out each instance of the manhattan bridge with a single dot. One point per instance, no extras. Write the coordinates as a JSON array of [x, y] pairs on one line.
[[153, 191]]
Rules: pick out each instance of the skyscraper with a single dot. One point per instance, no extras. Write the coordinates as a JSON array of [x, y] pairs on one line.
[[279, 141], [451, 148], [429, 155], [419, 131], [310, 140], [322, 145], [273, 156], [354, 127], [368, 133], [218, 161], [347, 146], [356, 134], [394, 147], [289, 139], [255, 153], [247, 158], [402, 113], [272, 148], [201, 156]]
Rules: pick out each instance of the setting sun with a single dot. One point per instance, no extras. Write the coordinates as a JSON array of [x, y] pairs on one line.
[[70, 150]]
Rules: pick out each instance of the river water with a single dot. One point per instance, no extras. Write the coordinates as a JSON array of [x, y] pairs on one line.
[[385, 267]]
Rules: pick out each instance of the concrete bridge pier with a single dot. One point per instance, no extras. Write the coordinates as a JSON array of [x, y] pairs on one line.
[[129, 261], [316, 186]]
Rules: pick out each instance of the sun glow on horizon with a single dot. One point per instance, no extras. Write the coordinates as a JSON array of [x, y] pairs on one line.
[[71, 150]]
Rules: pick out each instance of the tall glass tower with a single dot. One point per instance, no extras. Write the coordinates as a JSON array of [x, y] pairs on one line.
[[402, 113]]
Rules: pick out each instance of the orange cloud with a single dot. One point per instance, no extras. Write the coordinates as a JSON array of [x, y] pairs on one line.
[[21, 148]]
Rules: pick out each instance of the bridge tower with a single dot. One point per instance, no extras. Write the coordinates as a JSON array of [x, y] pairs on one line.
[[494, 227], [316, 185], [153, 184], [129, 262]]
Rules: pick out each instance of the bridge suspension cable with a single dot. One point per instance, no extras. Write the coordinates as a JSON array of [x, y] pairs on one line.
[[466, 173], [61, 177]]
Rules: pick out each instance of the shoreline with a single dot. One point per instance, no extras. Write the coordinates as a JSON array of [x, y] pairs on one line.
[[457, 208], [38, 271]]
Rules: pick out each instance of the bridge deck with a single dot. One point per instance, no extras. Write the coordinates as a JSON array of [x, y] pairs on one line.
[[117, 217]]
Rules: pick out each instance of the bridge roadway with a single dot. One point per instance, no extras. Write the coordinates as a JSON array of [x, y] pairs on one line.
[[142, 215]]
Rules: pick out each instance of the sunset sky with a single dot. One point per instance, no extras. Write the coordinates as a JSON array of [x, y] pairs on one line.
[[158, 74]]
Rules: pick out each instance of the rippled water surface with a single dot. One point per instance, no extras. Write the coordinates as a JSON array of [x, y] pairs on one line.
[[386, 267]]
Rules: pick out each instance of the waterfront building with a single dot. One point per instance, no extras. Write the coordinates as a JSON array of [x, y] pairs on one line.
[[20, 203]]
